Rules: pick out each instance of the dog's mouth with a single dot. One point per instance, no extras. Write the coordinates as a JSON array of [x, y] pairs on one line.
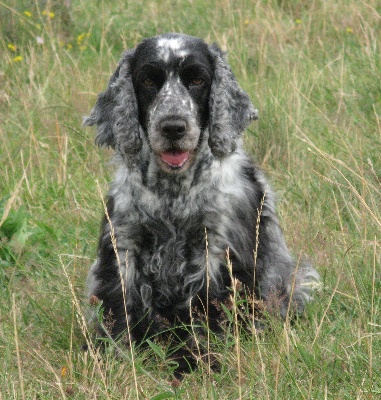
[[175, 159]]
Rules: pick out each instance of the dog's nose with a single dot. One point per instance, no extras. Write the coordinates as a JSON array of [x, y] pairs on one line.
[[173, 129]]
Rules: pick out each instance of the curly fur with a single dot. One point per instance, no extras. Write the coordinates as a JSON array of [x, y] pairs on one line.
[[174, 113]]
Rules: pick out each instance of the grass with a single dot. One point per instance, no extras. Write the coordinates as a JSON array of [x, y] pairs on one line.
[[314, 71]]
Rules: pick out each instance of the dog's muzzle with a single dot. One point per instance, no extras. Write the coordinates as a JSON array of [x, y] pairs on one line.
[[174, 129]]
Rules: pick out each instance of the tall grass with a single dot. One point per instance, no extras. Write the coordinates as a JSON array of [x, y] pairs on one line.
[[313, 70]]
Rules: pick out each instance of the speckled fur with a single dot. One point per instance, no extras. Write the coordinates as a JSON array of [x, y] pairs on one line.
[[161, 218]]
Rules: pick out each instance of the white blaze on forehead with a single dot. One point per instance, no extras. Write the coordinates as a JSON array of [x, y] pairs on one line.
[[171, 43], [166, 46]]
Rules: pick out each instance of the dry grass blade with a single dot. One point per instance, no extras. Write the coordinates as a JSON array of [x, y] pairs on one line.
[[16, 339]]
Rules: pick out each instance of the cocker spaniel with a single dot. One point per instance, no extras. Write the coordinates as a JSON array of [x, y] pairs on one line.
[[188, 212]]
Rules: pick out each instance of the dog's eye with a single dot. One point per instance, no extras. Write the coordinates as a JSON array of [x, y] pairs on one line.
[[196, 82], [148, 82]]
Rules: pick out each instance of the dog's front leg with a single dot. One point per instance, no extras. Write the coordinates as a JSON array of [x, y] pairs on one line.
[[114, 280]]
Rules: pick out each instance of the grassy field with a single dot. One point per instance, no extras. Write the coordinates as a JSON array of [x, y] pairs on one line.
[[313, 69]]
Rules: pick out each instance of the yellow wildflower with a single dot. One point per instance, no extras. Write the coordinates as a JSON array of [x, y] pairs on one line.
[[349, 30], [63, 372], [11, 47], [49, 14], [17, 59], [298, 21], [28, 14], [80, 38]]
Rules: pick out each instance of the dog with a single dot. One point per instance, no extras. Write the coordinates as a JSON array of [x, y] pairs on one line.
[[188, 212]]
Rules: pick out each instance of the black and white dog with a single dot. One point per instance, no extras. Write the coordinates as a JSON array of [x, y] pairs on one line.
[[185, 195]]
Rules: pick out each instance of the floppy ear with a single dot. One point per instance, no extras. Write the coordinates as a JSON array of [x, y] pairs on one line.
[[116, 112], [231, 110]]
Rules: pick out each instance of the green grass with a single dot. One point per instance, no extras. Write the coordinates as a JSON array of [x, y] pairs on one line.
[[314, 71]]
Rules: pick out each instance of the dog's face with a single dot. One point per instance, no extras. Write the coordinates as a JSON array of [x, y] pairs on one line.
[[172, 79], [172, 92]]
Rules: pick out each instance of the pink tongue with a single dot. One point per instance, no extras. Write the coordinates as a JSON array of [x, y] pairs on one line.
[[175, 159]]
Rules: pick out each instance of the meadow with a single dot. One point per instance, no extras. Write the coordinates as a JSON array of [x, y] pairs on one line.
[[313, 69]]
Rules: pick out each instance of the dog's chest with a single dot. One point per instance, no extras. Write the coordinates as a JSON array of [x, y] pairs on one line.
[[172, 261]]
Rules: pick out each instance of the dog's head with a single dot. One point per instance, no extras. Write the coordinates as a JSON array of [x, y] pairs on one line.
[[170, 90]]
